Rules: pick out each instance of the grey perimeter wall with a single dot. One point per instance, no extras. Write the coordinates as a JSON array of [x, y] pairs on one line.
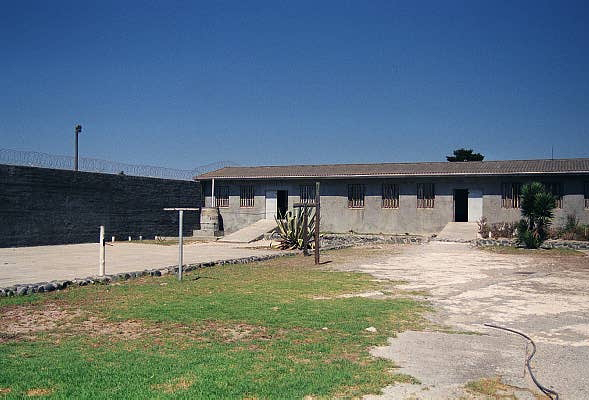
[[48, 206], [337, 217]]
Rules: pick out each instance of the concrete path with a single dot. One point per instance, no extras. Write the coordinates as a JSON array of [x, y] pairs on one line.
[[459, 231], [46, 263], [546, 297], [250, 233]]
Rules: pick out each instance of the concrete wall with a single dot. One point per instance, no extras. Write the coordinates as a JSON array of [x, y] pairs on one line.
[[48, 206], [337, 217]]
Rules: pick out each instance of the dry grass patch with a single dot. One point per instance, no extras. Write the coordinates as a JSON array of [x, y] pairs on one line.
[[57, 323], [175, 385], [39, 392], [495, 389], [556, 252]]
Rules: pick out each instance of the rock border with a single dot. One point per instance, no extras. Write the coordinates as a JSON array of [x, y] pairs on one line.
[[548, 244], [355, 239]]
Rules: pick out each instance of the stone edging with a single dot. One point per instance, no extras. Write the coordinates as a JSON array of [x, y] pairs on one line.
[[452, 240], [549, 244], [352, 239]]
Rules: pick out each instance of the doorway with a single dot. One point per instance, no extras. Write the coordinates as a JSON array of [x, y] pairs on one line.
[[282, 203], [460, 205]]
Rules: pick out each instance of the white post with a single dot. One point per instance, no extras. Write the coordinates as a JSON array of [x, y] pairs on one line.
[[213, 194], [129, 238], [180, 243], [101, 266], [113, 239]]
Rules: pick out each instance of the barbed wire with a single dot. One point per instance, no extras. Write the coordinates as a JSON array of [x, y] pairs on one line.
[[44, 160]]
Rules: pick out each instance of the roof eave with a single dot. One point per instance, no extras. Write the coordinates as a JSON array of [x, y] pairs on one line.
[[425, 175]]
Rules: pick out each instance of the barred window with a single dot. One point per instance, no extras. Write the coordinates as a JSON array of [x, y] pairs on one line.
[[307, 194], [510, 195], [556, 189], [221, 196], [246, 196], [586, 191], [426, 195], [356, 196], [390, 195]]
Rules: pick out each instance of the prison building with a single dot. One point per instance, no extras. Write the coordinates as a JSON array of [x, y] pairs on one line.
[[397, 198]]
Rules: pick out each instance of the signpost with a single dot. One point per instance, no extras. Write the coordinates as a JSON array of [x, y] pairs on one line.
[[180, 236], [305, 207]]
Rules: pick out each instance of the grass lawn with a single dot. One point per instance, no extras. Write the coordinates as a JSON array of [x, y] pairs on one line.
[[269, 330]]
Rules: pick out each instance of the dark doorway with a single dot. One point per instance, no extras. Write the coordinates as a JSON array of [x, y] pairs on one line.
[[461, 205], [282, 200]]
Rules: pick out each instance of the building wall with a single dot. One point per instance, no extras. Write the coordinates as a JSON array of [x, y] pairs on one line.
[[41, 206], [337, 217]]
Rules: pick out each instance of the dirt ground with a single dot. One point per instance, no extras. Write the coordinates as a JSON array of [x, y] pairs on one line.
[[542, 294]]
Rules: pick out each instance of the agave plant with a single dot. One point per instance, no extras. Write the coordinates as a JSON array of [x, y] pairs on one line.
[[291, 229]]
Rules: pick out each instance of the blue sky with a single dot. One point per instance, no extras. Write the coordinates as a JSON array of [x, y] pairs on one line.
[[181, 84]]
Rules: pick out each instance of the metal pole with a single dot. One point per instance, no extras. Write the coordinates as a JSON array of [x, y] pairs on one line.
[[77, 131], [101, 266], [317, 220], [305, 233], [213, 193], [76, 153], [180, 244]]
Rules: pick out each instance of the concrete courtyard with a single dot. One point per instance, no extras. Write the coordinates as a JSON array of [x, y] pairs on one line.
[[544, 295], [46, 263]]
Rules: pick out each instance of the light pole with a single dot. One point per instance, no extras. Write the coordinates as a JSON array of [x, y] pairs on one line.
[[78, 130]]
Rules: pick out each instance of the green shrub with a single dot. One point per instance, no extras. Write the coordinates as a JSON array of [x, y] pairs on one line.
[[537, 211]]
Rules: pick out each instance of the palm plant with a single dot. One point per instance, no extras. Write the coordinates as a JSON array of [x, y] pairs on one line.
[[291, 229], [537, 211]]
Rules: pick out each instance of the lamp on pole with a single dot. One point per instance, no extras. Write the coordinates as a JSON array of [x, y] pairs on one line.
[[78, 129]]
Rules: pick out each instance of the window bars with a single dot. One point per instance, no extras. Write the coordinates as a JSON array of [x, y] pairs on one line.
[[307, 194], [246, 196], [356, 196], [390, 195], [221, 196], [510, 195], [426, 195], [556, 189]]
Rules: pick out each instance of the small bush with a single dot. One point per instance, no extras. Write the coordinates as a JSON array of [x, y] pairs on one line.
[[572, 230], [497, 230], [484, 227], [503, 230], [571, 223]]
